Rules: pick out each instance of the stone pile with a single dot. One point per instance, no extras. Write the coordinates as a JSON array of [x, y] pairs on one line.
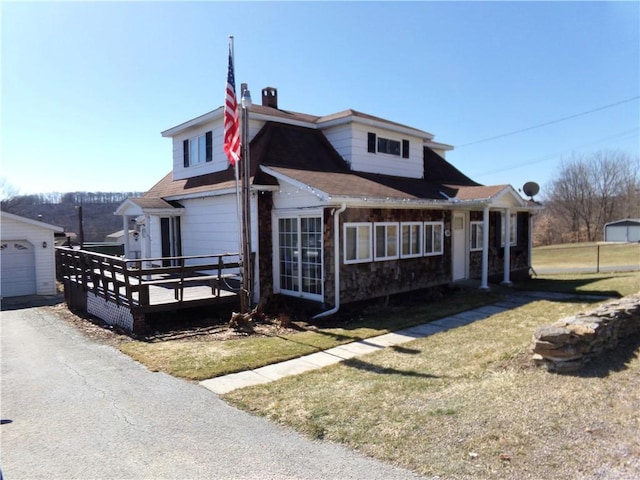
[[567, 345]]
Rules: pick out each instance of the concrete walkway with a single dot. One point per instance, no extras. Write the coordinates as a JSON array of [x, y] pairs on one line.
[[313, 361]]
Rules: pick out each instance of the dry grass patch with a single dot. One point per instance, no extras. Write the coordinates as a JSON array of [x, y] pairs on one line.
[[468, 403], [581, 255], [211, 354]]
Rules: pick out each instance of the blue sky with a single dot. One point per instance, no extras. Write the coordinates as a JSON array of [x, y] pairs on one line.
[[87, 87]]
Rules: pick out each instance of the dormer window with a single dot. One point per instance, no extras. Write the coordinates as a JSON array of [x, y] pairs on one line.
[[387, 145], [198, 149]]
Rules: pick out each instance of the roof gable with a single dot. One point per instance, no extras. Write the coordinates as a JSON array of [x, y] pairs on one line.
[[29, 221]]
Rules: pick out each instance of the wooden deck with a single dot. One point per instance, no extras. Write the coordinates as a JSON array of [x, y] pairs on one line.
[[148, 285]]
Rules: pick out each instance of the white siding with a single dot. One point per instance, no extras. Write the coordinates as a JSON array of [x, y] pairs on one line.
[[45, 264], [363, 161], [341, 137], [210, 225], [292, 197], [440, 152], [154, 237], [220, 160]]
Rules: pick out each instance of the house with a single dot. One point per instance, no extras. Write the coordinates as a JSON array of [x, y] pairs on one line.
[[27, 256], [627, 230], [344, 207]]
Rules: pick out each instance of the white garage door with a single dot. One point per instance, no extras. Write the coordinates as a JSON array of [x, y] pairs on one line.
[[18, 268]]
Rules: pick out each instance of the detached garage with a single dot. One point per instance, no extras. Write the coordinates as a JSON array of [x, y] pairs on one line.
[[27, 256], [627, 230]]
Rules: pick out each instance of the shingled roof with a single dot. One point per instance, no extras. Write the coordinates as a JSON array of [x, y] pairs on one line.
[[306, 156]]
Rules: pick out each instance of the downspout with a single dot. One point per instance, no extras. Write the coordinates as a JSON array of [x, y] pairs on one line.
[[336, 260]]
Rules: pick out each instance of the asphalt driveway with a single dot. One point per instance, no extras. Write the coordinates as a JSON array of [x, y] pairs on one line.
[[74, 409]]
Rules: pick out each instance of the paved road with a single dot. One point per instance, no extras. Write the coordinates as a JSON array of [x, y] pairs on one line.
[[73, 409]]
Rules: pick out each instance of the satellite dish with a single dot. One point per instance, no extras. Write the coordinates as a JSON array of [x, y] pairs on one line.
[[530, 189]]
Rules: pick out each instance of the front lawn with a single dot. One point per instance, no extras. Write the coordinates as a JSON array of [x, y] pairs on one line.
[[205, 356], [468, 403]]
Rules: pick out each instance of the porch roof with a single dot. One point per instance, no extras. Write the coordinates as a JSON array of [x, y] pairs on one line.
[[363, 186]]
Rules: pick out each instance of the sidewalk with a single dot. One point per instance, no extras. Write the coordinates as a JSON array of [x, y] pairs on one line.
[[313, 361]]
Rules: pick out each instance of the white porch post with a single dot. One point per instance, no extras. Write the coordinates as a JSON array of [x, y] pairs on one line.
[[530, 242], [146, 251], [484, 283], [507, 246], [125, 229]]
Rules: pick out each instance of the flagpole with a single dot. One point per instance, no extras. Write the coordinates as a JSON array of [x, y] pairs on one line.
[[239, 214], [246, 196]]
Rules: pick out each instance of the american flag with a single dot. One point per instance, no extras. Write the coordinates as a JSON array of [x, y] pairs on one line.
[[231, 127]]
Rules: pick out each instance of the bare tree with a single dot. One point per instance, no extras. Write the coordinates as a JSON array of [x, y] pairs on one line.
[[7, 189], [591, 190]]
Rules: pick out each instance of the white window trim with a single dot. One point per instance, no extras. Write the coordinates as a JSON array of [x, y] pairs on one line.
[[275, 219], [420, 243], [195, 145], [479, 238], [513, 237], [388, 139], [424, 239], [357, 226], [375, 240]]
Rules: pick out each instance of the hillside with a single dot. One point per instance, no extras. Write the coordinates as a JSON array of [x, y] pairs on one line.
[[60, 209]]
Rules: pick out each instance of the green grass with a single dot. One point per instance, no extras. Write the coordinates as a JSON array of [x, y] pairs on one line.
[[468, 403]]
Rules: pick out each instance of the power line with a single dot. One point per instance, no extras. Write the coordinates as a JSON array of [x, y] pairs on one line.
[[546, 158], [550, 122]]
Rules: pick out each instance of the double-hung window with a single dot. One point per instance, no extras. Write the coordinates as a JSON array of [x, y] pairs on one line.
[[198, 149], [386, 241], [411, 233], [357, 242], [476, 236], [513, 230], [433, 238]]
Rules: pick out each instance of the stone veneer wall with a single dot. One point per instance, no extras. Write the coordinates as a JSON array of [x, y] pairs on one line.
[[363, 281], [110, 312], [567, 345]]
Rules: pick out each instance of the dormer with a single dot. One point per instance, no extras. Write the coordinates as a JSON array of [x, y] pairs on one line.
[[367, 143], [197, 146], [375, 145]]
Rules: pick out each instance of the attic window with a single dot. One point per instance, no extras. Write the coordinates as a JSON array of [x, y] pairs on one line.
[[198, 149], [389, 146]]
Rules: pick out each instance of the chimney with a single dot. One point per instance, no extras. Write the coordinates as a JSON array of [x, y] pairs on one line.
[[270, 97]]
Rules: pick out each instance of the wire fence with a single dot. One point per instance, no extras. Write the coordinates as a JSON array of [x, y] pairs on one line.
[[587, 258]]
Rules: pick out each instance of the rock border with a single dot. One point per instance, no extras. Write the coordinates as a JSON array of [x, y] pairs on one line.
[[568, 344]]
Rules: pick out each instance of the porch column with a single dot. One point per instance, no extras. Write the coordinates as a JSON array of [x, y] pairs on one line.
[[484, 283], [125, 229], [146, 251], [530, 242], [507, 246]]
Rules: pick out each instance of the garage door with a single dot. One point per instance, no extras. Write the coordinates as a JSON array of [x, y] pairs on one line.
[[18, 268]]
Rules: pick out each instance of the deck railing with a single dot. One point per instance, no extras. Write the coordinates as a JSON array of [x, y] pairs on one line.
[[127, 281]]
